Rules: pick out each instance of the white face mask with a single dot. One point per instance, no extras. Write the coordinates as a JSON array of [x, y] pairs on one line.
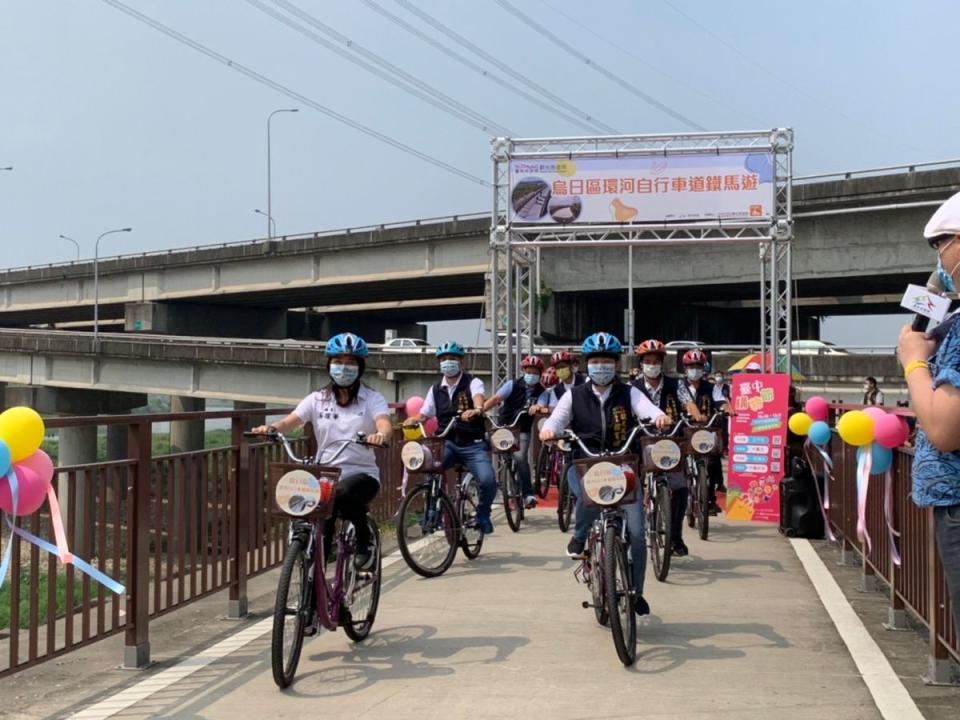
[[652, 370], [694, 374]]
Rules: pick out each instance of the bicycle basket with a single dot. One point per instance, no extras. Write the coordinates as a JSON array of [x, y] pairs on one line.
[[423, 456], [660, 454], [608, 481], [505, 440], [702, 441], [303, 490]]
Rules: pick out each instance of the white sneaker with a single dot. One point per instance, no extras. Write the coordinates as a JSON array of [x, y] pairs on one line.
[[530, 502]]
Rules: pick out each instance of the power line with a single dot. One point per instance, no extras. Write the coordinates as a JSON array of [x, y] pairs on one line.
[[626, 85], [672, 78], [273, 85], [467, 62], [373, 64], [503, 67]]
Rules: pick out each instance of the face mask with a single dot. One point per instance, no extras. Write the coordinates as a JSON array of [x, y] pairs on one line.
[[563, 374], [718, 380], [694, 374], [531, 378], [651, 370], [946, 277], [344, 375], [450, 368], [866, 388], [602, 374]]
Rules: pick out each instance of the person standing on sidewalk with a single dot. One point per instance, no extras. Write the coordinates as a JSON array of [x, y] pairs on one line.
[[872, 395], [932, 370]]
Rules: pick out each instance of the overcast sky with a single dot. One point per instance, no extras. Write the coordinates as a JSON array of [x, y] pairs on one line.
[[110, 123]]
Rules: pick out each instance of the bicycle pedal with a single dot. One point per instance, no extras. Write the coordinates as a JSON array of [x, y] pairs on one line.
[[586, 605]]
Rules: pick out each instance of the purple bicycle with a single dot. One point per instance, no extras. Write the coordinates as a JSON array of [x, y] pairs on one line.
[[306, 600]]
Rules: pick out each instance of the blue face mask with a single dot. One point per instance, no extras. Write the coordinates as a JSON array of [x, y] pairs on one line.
[[945, 277], [344, 375], [450, 368], [601, 374], [531, 378]]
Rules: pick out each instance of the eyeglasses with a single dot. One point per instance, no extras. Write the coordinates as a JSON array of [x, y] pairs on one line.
[[938, 240]]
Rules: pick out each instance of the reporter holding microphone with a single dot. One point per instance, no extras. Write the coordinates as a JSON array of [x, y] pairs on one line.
[[932, 371]]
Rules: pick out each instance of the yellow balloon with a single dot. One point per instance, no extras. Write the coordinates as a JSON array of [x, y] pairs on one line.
[[856, 428], [21, 428], [800, 423]]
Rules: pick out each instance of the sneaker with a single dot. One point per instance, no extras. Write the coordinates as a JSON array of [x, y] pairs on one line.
[[311, 628], [680, 548], [363, 558], [530, 502], [640, 605], [485, 524], [721, 488], [713, 509], [575, 548]]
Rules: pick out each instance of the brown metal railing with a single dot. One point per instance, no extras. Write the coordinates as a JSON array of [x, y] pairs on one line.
[[918, 585], [172, 528]]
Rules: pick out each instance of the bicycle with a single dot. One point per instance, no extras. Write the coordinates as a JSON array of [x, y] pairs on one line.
[[504, 441], [661, 455], [609, 481], [553, 462], [701, 441], [431, 526], [305, 597]]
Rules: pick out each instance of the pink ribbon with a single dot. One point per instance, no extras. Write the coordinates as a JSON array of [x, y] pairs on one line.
[[888, 517], [56, 518], [824, 499], [864, 464]]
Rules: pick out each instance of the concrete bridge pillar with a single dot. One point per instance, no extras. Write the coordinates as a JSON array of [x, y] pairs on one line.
[[186, 435]]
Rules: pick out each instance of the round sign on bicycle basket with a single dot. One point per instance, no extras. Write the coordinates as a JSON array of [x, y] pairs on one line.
[[703, 441], [415, 456], [503, 440], [665, 454], [299, 493], [607, 484]]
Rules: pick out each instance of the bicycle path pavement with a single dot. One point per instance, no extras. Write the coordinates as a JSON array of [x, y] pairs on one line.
[[738, 631]]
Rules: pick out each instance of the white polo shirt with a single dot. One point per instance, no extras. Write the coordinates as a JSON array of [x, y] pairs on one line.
[[332, 423]]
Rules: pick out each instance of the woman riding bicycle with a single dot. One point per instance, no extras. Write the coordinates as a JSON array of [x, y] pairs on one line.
[[338, 412]]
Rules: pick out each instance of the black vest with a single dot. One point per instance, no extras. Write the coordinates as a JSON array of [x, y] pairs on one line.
[[669, 396], [560, 388], [521, 397], [463, 433], [606, 428], [704, 398]]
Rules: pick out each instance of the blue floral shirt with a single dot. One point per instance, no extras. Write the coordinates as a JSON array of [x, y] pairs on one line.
[[936, 475]]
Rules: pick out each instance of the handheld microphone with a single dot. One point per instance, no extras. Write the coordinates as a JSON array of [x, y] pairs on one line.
[[927, 303]]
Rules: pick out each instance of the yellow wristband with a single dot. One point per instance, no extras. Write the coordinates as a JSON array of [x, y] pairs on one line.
[[916, 364]]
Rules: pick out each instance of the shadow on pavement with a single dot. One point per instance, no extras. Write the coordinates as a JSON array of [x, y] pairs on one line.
[[694, 571]]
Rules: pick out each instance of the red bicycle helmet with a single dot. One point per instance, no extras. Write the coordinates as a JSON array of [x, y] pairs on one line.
[[561, 356], [694, 357], [651, 347], [532, 361], [549, 378]]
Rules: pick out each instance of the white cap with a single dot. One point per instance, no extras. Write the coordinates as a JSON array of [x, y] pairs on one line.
[[946, 220], [753, 366]]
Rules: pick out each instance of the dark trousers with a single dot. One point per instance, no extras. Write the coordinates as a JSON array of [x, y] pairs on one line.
[[947, 529], [352, 501]]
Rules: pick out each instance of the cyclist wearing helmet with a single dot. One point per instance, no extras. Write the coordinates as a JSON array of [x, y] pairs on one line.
[[602, 412], [708, 399], [338, 412], [673, 397], [515, 396], [561, 362], [459, 394]]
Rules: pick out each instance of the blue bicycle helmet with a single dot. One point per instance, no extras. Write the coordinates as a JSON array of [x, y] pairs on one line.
[[347, 344], [450, 348], [601, 343]]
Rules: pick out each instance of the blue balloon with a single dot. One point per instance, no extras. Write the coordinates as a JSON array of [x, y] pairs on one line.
[[819, 433], [881, 458], [4, 459]]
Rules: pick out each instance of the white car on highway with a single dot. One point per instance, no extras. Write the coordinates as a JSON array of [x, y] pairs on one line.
[[407, 345]]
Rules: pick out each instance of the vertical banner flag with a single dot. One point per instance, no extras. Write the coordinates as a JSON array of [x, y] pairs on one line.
[[758, 446], [652, 189]]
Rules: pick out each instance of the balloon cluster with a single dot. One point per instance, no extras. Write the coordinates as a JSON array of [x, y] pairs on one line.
[[871, 430], [413, 406], [21, 433]]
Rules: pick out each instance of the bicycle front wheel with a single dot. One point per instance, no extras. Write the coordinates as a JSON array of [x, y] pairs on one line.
[[542, 477], [471, 536], [360, 607], [509, 489], [290, 613], [565, 502], [703, 503], [427, 531], [617, 585], [658, 522], [598, 593]]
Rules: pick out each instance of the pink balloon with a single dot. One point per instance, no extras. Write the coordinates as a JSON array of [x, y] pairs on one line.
[[31, 492], [431, 426], [890, 431], [817, 408], [413, 405], [41, 464], [875, 412]]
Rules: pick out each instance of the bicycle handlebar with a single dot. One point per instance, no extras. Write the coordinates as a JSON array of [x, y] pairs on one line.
[[277, 436], [709, 423], [512, 425]]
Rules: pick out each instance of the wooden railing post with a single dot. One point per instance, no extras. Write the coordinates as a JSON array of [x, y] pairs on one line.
[[136, 652], [240, 520]]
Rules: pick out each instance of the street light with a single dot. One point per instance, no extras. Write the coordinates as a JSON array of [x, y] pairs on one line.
[[269, 212], [271, 224], [96, 283], [74, 242]]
